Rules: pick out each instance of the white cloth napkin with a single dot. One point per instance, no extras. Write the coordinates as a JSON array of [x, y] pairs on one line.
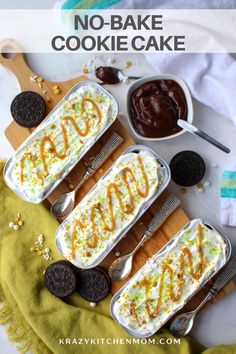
[[211, 77]]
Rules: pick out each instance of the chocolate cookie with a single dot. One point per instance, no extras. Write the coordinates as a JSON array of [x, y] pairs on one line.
[[187, 168], [93, 284], [28, 109], [60, 279]]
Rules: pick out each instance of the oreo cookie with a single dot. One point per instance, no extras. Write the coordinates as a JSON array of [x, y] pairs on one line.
[[93, 284], [60, 279], [187, 168], [28, 109]]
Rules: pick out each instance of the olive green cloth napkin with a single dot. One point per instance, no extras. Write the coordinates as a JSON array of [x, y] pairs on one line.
[[34, 318]]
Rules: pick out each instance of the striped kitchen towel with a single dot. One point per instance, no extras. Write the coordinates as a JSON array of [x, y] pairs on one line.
[[228, 196]]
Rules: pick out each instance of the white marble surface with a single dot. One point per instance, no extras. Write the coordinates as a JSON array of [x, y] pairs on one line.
[[217, 324]]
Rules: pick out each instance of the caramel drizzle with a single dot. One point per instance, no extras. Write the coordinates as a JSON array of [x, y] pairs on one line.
[[97, 208], [28, 156], [175, 296], [47, 139]]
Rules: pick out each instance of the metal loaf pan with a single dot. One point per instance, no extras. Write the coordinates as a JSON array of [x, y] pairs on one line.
[[9, 167], [228, 251], [165, 172]]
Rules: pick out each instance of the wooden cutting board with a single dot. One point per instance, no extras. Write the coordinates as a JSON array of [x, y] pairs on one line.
[[16, 136]]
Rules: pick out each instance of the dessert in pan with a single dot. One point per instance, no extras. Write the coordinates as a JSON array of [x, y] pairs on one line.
[[115, 203], [170, 278], [60, 141]]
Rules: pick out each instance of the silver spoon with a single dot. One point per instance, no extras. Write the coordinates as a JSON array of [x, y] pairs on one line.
[[63, 205], [183, 323], [66, 202], [194, 130], [123, 77], [122, 266], [114, 75]]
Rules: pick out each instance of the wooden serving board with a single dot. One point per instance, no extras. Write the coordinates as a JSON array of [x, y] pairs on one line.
[[16, 135]]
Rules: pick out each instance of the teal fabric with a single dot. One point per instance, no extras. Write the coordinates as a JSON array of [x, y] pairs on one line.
[[229, 174], [228, 196], [228, 184], [227, 193], [89, 4]]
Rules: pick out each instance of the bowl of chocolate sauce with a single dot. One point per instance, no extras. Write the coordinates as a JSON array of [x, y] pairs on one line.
[[154, 105]]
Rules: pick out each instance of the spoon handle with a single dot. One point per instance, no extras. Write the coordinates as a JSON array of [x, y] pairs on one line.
[[194, 130], [111, 145], [212, 141], [204, 301], [171, 203], [81, 182], [222, 279], [134, 77], [226, 274]]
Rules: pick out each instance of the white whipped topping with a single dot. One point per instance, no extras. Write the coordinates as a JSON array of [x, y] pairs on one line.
[[86, 256], [214, 253]]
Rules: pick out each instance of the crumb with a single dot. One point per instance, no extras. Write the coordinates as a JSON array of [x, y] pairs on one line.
[[183, 190], [86, 71], [128, 64]]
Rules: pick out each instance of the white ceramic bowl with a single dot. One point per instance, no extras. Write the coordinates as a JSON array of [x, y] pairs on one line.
[[145, 79]]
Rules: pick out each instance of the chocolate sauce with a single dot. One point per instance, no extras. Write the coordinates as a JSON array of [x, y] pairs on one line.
[[156, 106], [107, 74]]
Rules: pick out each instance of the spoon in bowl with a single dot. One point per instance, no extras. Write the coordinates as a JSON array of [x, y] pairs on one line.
[[194, 130]]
